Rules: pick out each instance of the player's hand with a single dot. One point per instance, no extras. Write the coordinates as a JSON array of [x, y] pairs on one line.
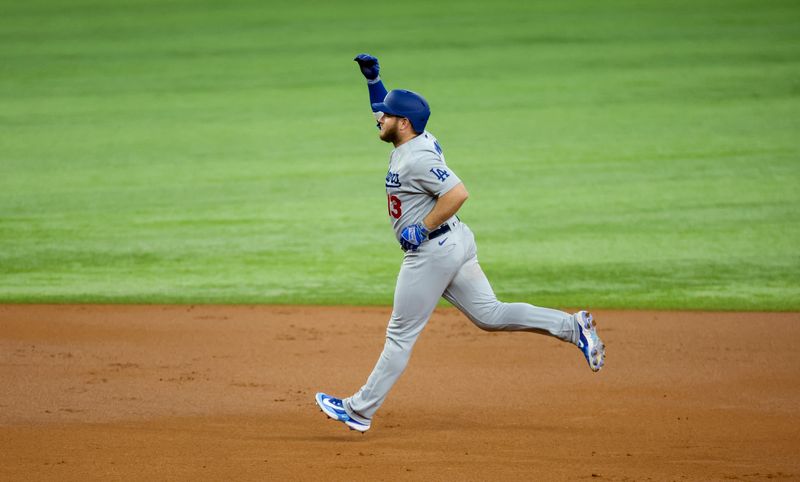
[[369, 66], [412, 236]]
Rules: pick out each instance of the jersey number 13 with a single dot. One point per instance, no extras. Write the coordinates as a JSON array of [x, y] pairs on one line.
[[395, 208]]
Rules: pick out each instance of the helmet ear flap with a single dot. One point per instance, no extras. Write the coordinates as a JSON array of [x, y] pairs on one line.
[[423, 122]]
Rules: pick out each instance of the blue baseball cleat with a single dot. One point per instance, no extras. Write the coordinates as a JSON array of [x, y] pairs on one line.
[[590, 344], [333, 408]]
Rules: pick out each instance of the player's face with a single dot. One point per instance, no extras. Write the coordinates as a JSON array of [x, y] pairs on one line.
[[390, 126]]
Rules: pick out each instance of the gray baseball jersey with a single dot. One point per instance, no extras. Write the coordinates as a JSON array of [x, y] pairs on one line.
[[444, 267], [417, 177]]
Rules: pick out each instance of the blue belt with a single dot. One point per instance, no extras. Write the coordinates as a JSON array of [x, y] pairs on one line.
[[438, 232]]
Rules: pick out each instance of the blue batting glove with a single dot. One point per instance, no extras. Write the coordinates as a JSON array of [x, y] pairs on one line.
[[369, 66], [412, 236]]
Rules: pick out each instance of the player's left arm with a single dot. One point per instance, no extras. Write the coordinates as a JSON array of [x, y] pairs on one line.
[[436, 180], [446, 206]]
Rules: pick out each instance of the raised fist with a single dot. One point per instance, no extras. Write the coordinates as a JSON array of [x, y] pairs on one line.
[[369, 66]]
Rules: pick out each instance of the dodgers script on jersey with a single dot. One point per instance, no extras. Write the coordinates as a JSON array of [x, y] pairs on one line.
[[417, 177]]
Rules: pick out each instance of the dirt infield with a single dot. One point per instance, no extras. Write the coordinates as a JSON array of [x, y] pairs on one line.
[[217, 393]]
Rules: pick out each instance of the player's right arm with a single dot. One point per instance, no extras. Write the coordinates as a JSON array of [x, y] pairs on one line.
[[371, 69]]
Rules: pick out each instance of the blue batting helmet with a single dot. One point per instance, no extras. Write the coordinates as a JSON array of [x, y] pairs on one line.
[[405, 103]]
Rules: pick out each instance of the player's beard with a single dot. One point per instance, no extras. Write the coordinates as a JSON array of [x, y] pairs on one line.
[[389, 133]]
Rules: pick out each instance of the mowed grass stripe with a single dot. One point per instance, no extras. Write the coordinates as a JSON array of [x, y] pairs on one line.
[[618, 154]]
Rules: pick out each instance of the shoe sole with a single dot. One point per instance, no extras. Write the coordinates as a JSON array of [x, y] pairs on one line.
[[597, 357]]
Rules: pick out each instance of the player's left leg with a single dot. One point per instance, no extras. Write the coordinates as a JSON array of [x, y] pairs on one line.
[[471, 293]]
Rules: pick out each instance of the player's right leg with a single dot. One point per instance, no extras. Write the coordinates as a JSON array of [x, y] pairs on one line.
[[423, 277]]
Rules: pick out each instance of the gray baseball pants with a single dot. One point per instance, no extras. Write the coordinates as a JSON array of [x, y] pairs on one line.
[[446, 267]]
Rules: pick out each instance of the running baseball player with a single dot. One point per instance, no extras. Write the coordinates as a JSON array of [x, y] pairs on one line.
[[423, 196]]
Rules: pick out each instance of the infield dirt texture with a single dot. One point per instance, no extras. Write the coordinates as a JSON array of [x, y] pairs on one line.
[[621, 156], [618, 154], [226, 393]]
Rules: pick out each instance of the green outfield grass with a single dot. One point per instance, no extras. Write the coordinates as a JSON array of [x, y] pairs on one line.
[[618, 154]]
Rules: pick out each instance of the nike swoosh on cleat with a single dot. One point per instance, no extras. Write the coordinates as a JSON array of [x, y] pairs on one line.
[[328, 403]]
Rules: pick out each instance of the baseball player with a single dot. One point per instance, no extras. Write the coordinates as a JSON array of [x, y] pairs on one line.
[[423, 196]]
